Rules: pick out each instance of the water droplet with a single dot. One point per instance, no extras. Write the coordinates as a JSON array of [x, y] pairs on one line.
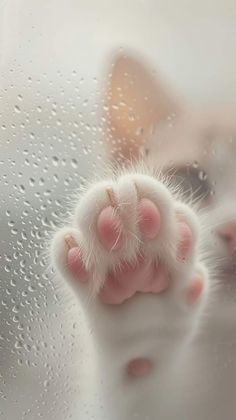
[[74, 163], [46, 384], [86, 150], [202, 175], [22, 188], [55, 160], [17, 109]]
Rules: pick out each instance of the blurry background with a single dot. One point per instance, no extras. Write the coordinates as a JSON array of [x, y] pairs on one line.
[[53, 60]]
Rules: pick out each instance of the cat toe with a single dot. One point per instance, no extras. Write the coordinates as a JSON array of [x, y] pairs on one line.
[[149, 219], [75, 262], [67, 254], [197, 289], [109, 228]]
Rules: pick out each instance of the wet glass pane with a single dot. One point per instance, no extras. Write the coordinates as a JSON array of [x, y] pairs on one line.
[[86, 88]]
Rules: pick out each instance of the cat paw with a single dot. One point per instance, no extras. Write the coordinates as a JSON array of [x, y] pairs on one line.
[[130, 237]]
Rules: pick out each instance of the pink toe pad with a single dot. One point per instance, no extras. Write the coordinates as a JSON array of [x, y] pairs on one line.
[[109, 229], [75, 263], [149, 218], [139, 367], [195, 289]]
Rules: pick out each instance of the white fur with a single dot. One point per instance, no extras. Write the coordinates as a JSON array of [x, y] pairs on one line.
[[155, 326]]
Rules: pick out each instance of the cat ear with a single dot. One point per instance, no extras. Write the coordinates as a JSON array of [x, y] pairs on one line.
[[136, 102]]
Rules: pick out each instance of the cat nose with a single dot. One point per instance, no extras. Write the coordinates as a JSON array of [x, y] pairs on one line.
[[228, 234]]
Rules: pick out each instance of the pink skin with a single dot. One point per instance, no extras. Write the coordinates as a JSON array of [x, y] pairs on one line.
[[145, 276], [195, 290], [139, 367], [149, 219], [76, 264], [109, 228]]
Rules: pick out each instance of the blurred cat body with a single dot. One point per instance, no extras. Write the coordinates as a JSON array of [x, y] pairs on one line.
[[195, 146]]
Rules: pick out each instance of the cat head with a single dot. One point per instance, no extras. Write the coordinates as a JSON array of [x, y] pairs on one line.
[[196, 146]]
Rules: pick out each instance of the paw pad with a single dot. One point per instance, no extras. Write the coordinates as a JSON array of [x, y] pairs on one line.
[[195, 290], [149, 218], [139, 367]]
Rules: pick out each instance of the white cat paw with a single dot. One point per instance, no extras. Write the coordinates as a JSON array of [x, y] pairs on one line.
[[129, 236]]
